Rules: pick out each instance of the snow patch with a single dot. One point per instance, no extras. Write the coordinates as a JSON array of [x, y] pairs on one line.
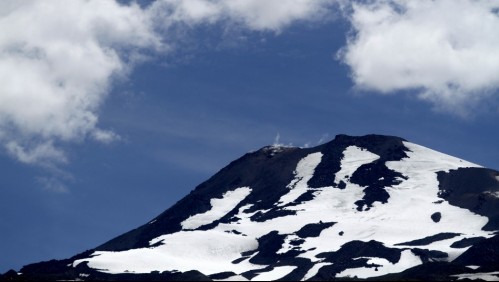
[[353, 158], [287, 246], [436, 160], [315, 269], [274, 274], [487, 276], [407, 260], [303, 173], [233, 278], [220, 207], [493, 193], [209, 252]]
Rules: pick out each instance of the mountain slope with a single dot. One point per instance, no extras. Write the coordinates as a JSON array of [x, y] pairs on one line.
[[370, 206]]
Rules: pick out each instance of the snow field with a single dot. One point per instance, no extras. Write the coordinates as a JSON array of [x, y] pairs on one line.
[[406, 217], [353, 158], [209, 252], [274, 274], [219, 208]]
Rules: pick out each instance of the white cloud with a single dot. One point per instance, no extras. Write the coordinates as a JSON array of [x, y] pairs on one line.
[[36, 153], [258, 15], [446, 50], [57, 62], [275, 14], [58, 59]]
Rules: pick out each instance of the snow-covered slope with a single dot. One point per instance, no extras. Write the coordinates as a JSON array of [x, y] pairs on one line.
[[371, 206]]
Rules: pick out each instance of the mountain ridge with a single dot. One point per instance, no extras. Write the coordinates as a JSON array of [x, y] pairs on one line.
[[338, 210], [265, 153]]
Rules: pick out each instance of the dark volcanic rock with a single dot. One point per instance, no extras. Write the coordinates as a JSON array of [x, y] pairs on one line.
[[268, 245], [484, 253], [429, 255], [313, 229], [375, 177], [466, 242], [358, 249], [436, 217], [472, 188], [433, 271], [430, 239], [388, 147]]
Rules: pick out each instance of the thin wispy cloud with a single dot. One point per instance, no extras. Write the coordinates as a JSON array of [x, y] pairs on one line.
[[269, 15], [52, 184]]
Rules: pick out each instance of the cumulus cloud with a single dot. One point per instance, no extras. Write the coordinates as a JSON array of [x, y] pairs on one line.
[[444, 50], [57, 61]]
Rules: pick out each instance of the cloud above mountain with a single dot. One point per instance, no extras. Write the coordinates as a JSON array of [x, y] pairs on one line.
[[59, 59], [271, 15], [57, 62], [445, 50]]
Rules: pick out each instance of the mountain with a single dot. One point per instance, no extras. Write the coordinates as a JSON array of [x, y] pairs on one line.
[[371, 207]]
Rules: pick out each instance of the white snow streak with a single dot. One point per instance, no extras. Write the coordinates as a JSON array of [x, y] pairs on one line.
[[487, 276], [220, 207], [494, 194], [407, 260], [304, 172], [315, 269], [233, 278], [353, 158], [274, 274]]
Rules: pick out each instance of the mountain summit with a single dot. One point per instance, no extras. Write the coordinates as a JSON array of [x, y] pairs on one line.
[[357, 207]]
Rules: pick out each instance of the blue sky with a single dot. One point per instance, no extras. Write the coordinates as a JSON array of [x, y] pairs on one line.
[[112, 116]]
